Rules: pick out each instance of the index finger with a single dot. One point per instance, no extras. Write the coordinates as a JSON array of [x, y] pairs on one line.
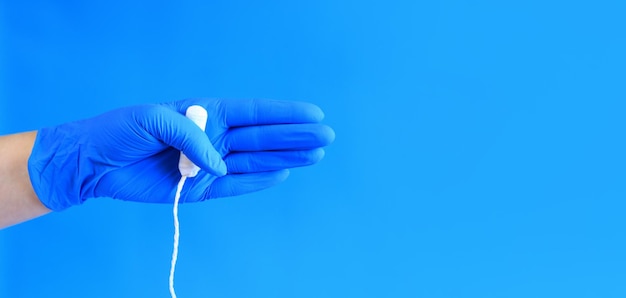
[[251, 112]]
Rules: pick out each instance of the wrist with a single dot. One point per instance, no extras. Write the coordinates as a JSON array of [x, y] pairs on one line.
[[18, 201], [53, 167]]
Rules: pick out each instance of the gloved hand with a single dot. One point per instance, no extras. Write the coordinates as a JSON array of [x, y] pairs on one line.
[[132, 153]]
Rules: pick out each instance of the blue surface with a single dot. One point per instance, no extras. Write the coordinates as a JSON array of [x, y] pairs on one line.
[[480, 147]]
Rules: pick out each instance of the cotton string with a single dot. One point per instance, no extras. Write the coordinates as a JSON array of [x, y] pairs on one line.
[[176, 234]]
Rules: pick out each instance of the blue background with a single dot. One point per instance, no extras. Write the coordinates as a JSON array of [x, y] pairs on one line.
[[480, 147]]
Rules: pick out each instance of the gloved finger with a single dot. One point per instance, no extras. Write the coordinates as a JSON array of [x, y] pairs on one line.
[[178, 131], [278, 137], [239, 184], [251, 112], [263, 161]]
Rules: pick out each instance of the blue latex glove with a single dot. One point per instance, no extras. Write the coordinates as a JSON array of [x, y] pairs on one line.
[[132, 153]]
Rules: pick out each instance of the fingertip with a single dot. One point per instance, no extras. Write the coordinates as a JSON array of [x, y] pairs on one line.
[[316, 113], [281, 175], [217, 166], [222, 169], [306, 112], [326, 135], [318, 155]]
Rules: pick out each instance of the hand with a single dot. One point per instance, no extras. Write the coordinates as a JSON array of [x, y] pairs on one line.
[[132, 153]]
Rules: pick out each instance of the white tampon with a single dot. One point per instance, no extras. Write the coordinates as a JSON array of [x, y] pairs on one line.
[[199, 116], [187, 169]]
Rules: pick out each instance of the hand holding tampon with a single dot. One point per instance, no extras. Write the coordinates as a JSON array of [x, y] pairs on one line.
[[133, 153]]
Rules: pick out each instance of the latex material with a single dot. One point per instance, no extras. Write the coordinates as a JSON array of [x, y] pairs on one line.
[[132, 153]]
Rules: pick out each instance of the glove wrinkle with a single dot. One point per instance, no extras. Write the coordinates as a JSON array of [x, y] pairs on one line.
[[132, 153]]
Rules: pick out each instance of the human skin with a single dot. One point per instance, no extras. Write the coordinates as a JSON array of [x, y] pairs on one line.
[[259, 139], [18, 201]]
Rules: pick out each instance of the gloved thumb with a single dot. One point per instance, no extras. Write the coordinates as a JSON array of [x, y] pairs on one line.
[[178, 131]]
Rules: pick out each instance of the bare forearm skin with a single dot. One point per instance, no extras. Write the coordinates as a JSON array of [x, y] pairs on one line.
[[18, 201]]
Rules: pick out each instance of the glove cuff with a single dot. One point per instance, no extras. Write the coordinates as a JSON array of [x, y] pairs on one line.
[[55, 168]]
